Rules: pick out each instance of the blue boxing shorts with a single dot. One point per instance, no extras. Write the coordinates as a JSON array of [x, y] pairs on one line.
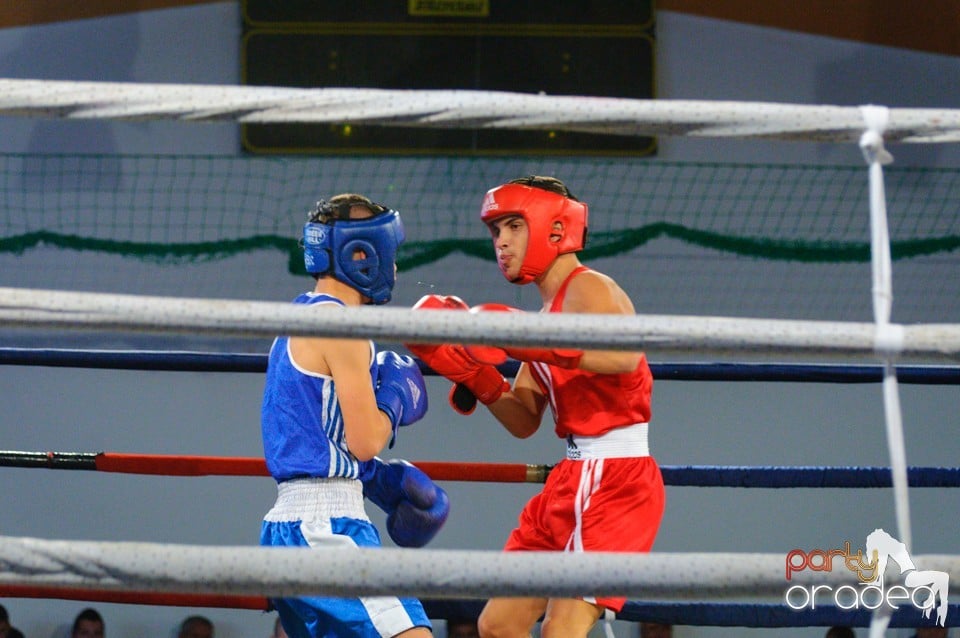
[[328, 514]]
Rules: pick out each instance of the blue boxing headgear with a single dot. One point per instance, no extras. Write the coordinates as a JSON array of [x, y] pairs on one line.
[[331, 239]]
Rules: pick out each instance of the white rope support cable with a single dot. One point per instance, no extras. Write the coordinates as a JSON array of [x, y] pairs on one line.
[[298, 571], [871, 143], [464, 109], [654, 334]]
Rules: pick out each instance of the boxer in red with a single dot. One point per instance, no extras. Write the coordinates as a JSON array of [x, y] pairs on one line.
[[607, 494]]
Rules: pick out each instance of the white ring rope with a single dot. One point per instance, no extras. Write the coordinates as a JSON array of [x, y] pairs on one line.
[[464, 109], [295, 571], [654, 334]]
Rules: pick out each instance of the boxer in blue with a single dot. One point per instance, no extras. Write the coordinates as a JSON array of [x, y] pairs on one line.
[[329, 407]]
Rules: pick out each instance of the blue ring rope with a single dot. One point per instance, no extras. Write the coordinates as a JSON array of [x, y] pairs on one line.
[[760, 615], [681, 476], [773, 477], [770, 615], [240, 362]]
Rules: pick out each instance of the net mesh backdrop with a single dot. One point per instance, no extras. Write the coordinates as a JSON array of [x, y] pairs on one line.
[[777, 241]]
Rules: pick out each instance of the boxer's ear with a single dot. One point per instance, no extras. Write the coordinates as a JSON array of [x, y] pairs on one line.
[[556, 232]]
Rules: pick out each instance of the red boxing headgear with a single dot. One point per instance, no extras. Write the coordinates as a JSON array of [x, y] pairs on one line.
[[539, 208]]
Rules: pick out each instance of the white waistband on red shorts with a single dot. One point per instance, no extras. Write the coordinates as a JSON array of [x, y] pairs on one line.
[[628, 441], [308, 499]]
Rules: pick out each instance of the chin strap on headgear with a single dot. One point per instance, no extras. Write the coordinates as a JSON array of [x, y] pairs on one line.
[[540, 209], [332, 241]]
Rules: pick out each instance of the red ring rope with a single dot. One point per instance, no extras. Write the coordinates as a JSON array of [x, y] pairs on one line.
[[136, 597], [179, 465]]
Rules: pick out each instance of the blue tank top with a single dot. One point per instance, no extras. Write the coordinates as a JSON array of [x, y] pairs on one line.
[[300, 418]]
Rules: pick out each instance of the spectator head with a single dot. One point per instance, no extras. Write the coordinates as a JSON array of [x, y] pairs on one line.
[[196, 627], [88, 624]]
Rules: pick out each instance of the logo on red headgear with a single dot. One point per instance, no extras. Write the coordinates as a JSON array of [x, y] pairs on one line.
[[489, 203]]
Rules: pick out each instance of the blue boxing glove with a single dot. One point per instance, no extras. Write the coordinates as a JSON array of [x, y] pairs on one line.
[[416, 507], [401, 392]]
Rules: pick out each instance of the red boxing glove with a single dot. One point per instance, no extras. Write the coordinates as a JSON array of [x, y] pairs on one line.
[[452, 361], [492, 355], [428, 351], [441, 302], [473, 380]]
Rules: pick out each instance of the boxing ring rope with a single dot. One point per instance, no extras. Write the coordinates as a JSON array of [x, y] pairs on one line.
[[290, 572], [166, 574], [720, 614], [711, 336], [198, 103], [654, 334], [769, 477], [765, 615], [174, 465], [193, 361]]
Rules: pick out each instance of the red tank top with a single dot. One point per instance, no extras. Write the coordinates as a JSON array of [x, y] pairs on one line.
[[587, 403]]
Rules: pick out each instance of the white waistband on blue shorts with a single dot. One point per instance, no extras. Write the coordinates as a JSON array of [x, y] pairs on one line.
[[309, 499], [626, 442]]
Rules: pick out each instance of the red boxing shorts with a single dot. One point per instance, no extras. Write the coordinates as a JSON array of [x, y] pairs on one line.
[[594, 505]]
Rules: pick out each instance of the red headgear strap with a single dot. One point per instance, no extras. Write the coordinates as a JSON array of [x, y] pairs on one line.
[[539, 208]]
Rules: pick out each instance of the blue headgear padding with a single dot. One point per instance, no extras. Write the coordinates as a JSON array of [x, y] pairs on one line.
[[330, 248]]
